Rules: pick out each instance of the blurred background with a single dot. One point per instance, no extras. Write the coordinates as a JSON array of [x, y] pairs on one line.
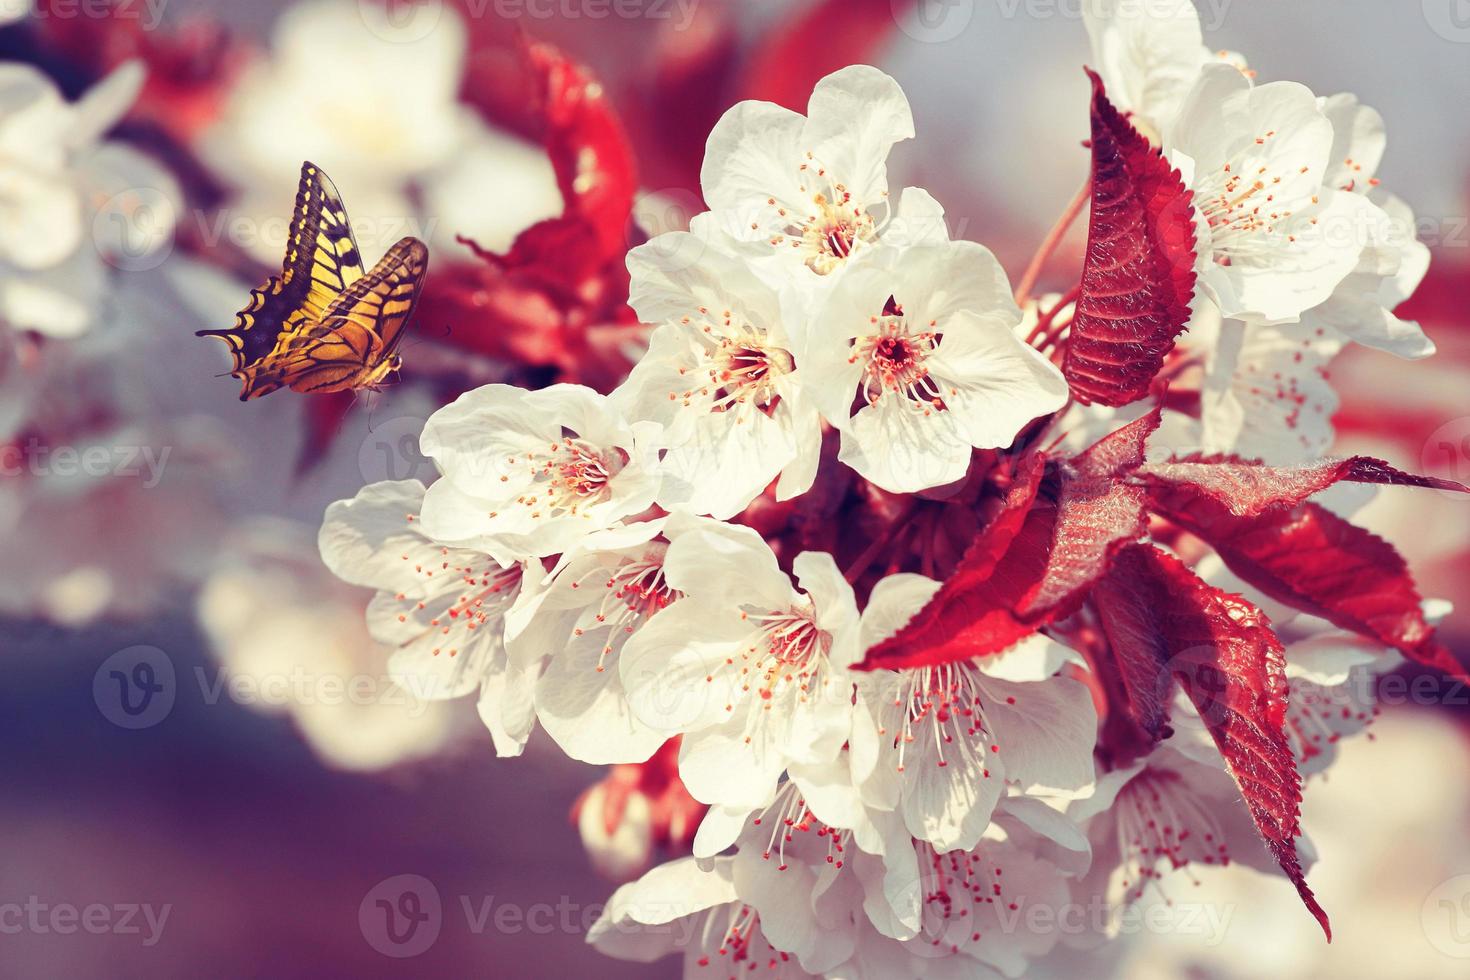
[[198, 728]]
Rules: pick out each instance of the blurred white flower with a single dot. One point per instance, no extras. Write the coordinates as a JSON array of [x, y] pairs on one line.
[[1393, 262], [635, 811], [378, 109], [621, 849], [1148, 54], [1331, 677], [1266, 393], [14, 10], [679, 908], [292, 638], [71, 204], [1167, 815], [116, 523], [455, 201]]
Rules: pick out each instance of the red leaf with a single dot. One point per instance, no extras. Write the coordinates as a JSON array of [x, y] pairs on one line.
[[562, 279], [1133, 676], [787, 64], [973, 613], [1248, 487], [1160, 617], [1097, 513], [1035, 561], [1138, 276], [588, 147], [1313, 560]]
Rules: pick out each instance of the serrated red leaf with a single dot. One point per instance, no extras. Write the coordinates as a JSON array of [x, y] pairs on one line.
[[1033, 563], [1162, 619], [1098, 511], [1311, 559], [1131, 668], [1248, 487], [973, 613], [1138, 275]]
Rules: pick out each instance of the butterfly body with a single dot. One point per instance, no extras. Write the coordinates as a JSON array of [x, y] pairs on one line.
[[324, 323]]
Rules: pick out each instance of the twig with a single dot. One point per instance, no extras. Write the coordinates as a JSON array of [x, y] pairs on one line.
[[1050, 243]]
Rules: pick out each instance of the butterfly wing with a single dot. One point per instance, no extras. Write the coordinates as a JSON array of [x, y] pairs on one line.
[[354, 344], [321, 251], [322, 260]]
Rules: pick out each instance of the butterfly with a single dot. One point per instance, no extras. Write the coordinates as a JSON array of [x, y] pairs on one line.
[[324, 324]]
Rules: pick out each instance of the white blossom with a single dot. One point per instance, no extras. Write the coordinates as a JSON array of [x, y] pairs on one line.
[[751, 668], [440, 609], [529, 473], [720, 376], [939, 744], [805, 195], [914, 357]]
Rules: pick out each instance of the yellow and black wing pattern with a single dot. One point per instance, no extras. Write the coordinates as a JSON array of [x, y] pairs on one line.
[[355, 343], [292, 310]]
